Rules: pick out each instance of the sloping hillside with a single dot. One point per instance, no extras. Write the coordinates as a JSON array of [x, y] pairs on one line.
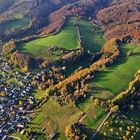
[[121, 19]]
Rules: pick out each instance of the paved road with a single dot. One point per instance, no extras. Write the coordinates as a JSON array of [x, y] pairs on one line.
[[99, 127]]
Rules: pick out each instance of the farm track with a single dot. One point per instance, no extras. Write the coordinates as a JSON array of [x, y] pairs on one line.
[[102, 123]]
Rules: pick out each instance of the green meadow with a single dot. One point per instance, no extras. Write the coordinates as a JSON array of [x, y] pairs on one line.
[[111, 82], [91, 36], [92, 39], [55, 118], [94, 114], [116, 78], [67, 38]]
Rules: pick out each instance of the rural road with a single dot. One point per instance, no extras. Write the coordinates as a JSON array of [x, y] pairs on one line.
[[99, 127], [78, 32]]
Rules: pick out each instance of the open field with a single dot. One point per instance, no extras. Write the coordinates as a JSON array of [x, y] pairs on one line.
[[55, 118], [94, 114], [111, 82], [38, 94], [92, 36], [117, 77], [67, 38], [92, 39], [15, 23]]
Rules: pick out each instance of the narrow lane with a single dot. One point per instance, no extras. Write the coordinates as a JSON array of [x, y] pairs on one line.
[[99, 127]]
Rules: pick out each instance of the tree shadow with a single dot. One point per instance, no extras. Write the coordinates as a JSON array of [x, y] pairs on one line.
[[136, 54], [101, 75], [88, 131]]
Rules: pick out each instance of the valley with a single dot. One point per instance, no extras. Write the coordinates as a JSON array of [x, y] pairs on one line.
[[69, 69]]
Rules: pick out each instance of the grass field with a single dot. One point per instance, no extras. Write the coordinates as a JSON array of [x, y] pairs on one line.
[[39, 94], [94, 114], [67, 38], [15, 23], [117, 77], [92, 36], [55, 118]]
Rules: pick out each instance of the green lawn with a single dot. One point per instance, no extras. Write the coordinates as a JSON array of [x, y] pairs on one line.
[[67, 38], [15, 23], [117, 77], [92, 36]]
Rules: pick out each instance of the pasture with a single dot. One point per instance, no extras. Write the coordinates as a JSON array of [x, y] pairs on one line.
[[92, 40], [91, 36], [55, 118], [116, 78], [67, 38], [94, 114]]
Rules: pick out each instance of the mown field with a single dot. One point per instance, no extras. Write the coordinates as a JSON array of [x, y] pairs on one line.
[[116, 78], [67, 38], [56, 118], [14, 23]]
